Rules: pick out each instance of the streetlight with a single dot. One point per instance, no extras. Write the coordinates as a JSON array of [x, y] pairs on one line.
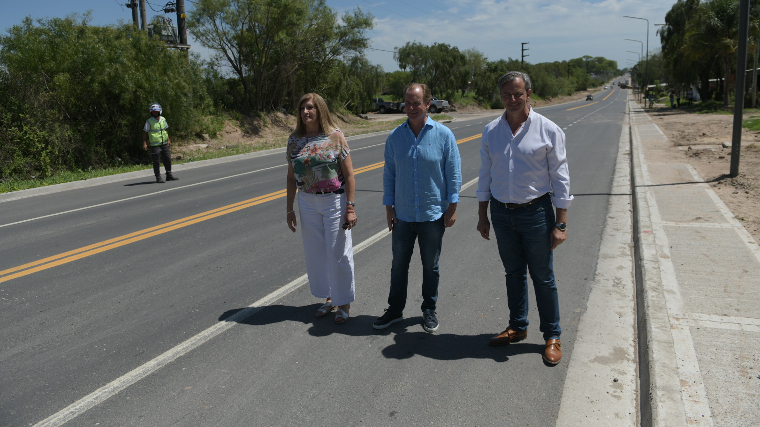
[[646, 72], [642, 55], [640, 93]]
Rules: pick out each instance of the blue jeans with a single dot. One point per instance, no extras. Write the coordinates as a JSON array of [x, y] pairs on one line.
[[429, 234], [523, 236]]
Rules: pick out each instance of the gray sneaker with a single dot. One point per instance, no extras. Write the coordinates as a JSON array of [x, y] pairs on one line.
[[429, 321], [159, 180]]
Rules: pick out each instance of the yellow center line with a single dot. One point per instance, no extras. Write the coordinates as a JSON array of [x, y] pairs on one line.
[[107, 245], [575, 108], [605, 98]]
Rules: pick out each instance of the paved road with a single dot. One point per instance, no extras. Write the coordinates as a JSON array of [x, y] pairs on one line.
[[132, 303]]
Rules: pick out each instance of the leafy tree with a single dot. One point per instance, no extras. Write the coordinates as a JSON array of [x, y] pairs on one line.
[[279, 49], [360, 82], [442, 67], [74, 96], [395, 83]]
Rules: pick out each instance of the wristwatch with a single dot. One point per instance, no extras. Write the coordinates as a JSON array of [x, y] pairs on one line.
[[561, 226], [351, 204]]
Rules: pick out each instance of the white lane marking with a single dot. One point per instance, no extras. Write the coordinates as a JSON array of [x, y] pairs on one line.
[[138, 197], [104, 393]]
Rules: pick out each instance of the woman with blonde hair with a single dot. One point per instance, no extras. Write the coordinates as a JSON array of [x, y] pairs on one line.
[[320, 171]]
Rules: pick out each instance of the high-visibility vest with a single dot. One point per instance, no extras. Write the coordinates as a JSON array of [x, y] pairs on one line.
[[157, 134]]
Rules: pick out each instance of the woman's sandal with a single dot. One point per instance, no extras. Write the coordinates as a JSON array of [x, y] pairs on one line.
[[341, 316], [325, 309]]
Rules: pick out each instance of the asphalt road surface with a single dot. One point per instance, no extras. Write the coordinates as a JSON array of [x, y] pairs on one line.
[[185, 303]]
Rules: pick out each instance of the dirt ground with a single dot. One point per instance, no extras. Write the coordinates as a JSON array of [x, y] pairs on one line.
[[699, 139]]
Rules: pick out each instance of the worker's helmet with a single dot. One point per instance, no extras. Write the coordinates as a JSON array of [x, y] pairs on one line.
[[155, 107]]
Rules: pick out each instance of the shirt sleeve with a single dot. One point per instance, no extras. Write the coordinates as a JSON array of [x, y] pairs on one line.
[[453, 168], [147, 126], [484, 176], [389, 174], [559, 173]]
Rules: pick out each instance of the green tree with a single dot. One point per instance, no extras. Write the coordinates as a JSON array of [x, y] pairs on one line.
[[442, 67], [76, 96], [279, 49]]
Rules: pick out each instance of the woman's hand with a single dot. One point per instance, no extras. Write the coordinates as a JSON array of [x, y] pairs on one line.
[[292, 222], [350, 220]]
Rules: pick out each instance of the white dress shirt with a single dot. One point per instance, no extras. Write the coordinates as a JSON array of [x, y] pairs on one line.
[[520, 168]]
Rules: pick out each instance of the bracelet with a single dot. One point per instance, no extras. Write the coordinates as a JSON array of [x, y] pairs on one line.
[[290, 212]]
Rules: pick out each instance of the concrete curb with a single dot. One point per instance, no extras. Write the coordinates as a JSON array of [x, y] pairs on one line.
[[660, 385]]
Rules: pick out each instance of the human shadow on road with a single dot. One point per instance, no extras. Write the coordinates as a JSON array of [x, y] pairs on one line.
[[140, 183], [439, 346]]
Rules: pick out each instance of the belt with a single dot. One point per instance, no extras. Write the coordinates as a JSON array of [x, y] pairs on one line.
[[338, 191], [522, 205]]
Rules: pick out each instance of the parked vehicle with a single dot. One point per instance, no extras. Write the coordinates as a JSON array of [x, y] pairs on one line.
[[385, 106], [437, 105]]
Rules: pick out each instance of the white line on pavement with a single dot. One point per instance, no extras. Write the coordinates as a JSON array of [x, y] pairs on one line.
[[104, 393]]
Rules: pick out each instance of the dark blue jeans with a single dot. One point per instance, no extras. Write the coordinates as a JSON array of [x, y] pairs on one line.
[[429, 234], [524, 239]]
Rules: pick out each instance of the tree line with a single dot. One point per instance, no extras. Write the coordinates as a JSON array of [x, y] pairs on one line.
[[699, 42], [74, 96]]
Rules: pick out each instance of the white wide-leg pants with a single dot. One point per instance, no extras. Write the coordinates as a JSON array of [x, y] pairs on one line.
[[327, 246]]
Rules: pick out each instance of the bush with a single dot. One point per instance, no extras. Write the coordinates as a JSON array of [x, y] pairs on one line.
[[74, 96]]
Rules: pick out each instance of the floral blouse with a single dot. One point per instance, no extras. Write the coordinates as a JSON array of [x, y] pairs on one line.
[[316, 163]]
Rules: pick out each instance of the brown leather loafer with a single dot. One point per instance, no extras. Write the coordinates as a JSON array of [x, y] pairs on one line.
[[552, 352], [507, 337]]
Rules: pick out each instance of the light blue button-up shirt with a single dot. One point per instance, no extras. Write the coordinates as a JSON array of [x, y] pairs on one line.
[[422, 174]]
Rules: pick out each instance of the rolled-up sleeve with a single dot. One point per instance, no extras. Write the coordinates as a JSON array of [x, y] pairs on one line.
[[453, 170], [389, 175], [558, 170], [484, 177]]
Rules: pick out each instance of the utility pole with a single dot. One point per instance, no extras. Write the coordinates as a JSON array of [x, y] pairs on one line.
[[741, 75], [143, 16], [135, 19], [522, 59], [754, 75], [181, 27]]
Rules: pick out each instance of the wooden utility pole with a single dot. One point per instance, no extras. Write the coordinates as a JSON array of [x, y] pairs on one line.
[[143, 16], [741, 74], [181, 27], [135, 18]]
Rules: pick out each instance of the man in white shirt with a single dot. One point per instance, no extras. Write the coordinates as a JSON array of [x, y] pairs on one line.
[[523, 173]]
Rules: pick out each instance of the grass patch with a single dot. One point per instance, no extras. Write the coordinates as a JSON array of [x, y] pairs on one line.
[[752, 123], [712, 107]]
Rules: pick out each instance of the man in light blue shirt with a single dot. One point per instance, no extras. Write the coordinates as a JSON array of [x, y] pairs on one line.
[[421, 183]]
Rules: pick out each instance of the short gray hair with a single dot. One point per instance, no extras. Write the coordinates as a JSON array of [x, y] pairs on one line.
[[512, 76]]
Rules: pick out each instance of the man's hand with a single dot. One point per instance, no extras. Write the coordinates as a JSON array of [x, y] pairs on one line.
[[558, 237], [484, 227], [390, 215], [145, 146], [450, 216]]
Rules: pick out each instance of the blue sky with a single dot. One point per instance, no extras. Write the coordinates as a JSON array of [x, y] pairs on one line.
[[555, 30]]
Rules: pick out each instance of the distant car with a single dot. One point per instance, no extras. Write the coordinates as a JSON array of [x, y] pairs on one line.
[[589, 97], [605, 87]]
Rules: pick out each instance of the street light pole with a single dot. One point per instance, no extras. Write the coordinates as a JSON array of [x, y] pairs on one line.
[[641, 89], [646, 67], [640, 93]]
